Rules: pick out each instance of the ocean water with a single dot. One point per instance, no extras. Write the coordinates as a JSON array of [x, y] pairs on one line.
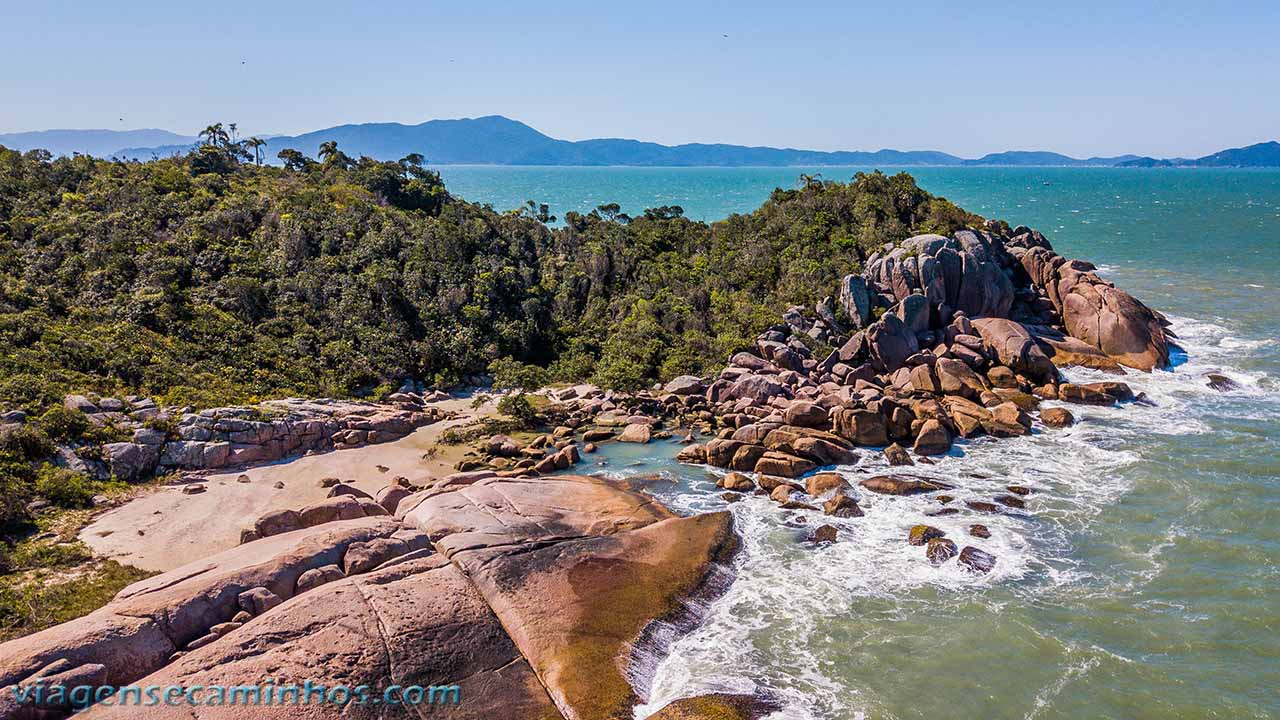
[[1143, 578]]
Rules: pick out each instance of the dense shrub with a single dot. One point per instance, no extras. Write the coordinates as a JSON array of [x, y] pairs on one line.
[[64, 488], [206, 279], [517, 407]]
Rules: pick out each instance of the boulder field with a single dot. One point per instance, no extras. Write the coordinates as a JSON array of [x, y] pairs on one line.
[[538, 598], [939, 338]]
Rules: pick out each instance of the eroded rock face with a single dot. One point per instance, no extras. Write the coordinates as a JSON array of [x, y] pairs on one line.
[[530, 595], [1097, 312]]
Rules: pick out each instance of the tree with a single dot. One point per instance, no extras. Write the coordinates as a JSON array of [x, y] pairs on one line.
[[332, 157], [256, 144], [538, 211], [295, 160], [215, 136]]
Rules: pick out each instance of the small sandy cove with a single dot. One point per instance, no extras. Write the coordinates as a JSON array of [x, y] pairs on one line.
[[165, 529]]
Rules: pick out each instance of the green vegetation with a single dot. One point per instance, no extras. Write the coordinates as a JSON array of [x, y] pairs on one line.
[[33, 601], [210, 279]]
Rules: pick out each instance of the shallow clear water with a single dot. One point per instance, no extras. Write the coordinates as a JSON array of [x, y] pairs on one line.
[[1142, 581]]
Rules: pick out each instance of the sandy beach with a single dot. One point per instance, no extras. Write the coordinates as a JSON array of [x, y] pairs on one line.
[[166, 528]]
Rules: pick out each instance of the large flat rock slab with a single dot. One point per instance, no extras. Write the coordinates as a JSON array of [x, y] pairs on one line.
[[538, 598], [135, 633], [415, 623], [514, 511]]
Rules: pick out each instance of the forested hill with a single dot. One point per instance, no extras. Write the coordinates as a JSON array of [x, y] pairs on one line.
[[496, 140], [205, 279]]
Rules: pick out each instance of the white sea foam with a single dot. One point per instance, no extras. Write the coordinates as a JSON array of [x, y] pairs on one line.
[[787, 591]]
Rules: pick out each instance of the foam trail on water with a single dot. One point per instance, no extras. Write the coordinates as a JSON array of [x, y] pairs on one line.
[[758, 637]]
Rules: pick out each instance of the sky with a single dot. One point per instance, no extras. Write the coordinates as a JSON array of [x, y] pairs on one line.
[[1174, 78]]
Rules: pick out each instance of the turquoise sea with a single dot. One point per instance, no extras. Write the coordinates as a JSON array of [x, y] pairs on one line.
[[1143, 580]]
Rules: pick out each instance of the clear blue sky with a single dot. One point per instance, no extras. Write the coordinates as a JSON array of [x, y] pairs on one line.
[[1171, 78]]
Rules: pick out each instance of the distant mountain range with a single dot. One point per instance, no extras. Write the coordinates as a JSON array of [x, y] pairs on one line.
[[496, 140], [100, 143]]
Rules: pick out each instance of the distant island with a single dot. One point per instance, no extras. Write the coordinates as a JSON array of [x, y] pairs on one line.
[[497, 140]]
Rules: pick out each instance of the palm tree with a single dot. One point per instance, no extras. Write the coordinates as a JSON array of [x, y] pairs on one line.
[[214, 135], [256, 144], [328, 149]]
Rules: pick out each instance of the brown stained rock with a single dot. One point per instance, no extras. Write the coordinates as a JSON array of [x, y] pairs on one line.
[[824, 483], [968, 417], [754, 433], [979, 531], [362, 557], [390, 496], [256, 601], [576, 608], [922, 534], [826, 534], [1008, 413], [1011, 501], [720, 452], [782, 493], [842, 506], [824, 452], [1221, 382], [746, 457], [1056, 417], [737, 482], [897, 455], [886, 485], [1084, 394], [1002, 377], [1015, 347], [1025, 401], [636, 433], [957, 378], [718, 706], [860, 426], [940, 550], [1066, 351], [345, 489], [934, 439], [977, 561], [807, 414], [692, 455], [783, 465]]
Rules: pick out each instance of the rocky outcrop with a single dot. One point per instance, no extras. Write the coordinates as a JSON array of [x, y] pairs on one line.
[[167, 439], [1091, 309], [536, 598]]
